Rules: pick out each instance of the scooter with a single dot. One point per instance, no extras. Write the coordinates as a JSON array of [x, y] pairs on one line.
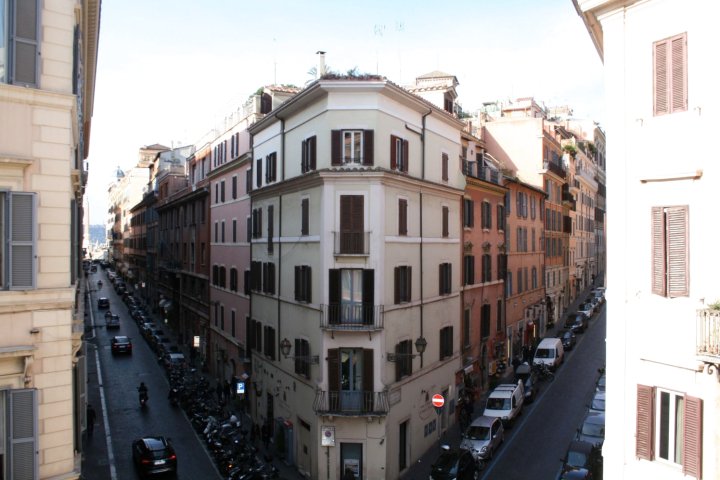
[[143, 397], [99, 284]]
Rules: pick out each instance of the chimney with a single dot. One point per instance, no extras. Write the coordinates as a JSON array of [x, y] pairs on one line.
[[321, 64]]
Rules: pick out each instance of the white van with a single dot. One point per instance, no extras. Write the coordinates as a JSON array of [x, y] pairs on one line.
[[550, 352], [505, 402]]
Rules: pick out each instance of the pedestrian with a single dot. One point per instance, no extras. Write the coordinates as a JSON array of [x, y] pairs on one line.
[[227, 391], [516, 363], [348, 475], [265, 432], [90, 417]]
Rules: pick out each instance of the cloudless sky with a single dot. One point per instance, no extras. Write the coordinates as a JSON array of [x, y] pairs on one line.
[[169, 71]]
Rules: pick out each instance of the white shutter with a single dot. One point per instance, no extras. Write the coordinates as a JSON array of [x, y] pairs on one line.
[[22, 240]]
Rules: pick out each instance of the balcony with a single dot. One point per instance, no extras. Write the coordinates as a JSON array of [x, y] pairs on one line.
[[349, 403], [557, 169], [708, 335], [476, 170], [352, 317], [351, 243]]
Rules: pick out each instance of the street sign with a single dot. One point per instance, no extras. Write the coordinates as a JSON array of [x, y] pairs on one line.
[[327, 438], [438, 400], [240, 388]]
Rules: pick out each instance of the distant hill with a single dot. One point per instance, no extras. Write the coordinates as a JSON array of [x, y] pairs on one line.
[[98, 234]]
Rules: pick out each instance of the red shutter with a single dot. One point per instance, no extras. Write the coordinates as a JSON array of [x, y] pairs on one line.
[[677, 251], [660, 78], [406, 155], [336, 156], [658, 251], [692, 437], [644, 422], [393, 152], [368, 147], [678, 69]]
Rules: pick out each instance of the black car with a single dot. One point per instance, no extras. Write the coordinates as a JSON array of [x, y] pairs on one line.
[[457, 464], [525, 372], [568, 339], [577, 322], [121, 344], [154, 455], [102, 303], [583, 455]]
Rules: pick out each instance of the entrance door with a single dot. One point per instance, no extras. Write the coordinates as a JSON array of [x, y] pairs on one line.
[[303, 455], [351, 378], [351, 458], [403, 446]]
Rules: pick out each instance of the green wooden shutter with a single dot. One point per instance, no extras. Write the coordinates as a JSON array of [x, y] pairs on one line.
[[22, 240], [22, 444]]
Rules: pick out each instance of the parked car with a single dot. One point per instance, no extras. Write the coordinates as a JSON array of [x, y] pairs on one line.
[[121, 344], [454, 464], [568, 339], [577, 322], [505, 402], [112, 321], [483, 437], [103, 303], [598, 402], [529, 377], [173, 359], [550, 351], [579, 474], [582, 455], [586, 308], [600, 387], [592, 429], [154, 455]]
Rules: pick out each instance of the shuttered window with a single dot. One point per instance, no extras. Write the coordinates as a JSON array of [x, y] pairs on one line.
[[22, 67], [305, 216], [17, 211], [445, 278], [402, 217], [644, 423], [302, 356], [670, 254], [445, 222], [403, 284], [270, 229], [670, 75], [399, 154], [446, 342], [468, 213], [258, 173], [22, 434], [303, 277], [352, 225], [445, 167], [403, 362], [469, 270], [308, 161], [352, 146]]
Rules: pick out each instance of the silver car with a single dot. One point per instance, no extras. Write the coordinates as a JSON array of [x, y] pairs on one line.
[[483, 437]]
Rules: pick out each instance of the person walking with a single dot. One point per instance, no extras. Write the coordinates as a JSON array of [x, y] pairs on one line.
[[90, 417]]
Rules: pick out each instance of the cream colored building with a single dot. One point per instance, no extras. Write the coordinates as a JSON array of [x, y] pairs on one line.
[[663, 327], [355, 260], [47, 82]]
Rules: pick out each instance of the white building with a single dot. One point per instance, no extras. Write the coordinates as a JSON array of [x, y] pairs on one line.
[[663, 340]]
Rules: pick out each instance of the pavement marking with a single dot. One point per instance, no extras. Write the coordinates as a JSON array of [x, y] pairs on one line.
[[106, 420]]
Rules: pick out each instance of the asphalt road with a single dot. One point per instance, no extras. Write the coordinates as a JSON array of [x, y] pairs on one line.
[[534, 447], [119, 410]]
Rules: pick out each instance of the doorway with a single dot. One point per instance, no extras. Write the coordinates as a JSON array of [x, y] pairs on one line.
[[351, 458]]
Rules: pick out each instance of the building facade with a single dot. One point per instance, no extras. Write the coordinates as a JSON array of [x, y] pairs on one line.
[[662, 298], [47, 83]]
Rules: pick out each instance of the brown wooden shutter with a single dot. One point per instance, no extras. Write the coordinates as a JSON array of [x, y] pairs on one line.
[[393, 152], [445, 168], [692, 437], [409, 284], [304, 157], [658, 251], [307, 282], [313, 152], [336, 155], [368, 147], [660, 78], [677, 251], [406, 155], [445, 220], [305, 216], [644, 423], [441, 279], [333, 362], [368, 372], [397, 285], [402, 217], [298, 289], [678, 69], [299, 363]]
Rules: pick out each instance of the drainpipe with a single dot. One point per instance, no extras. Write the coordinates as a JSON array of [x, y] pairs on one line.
[[422, 163], [279, 273]]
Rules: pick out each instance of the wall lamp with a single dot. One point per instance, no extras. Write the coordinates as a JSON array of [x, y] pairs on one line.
[[420, 346], [286, 346]]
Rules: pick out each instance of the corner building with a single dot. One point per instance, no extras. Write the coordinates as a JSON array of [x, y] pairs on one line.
[[356, 240]]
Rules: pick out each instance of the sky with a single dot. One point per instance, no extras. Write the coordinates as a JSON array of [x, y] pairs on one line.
[[169, 71]]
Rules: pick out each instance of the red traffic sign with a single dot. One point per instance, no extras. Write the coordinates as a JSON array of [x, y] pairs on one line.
[[438, 400]]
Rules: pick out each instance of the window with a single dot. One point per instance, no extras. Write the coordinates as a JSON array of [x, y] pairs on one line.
[[254, 335], [271, 168], [222, 317], [19, 61], [268, 278], [256, 222], [246, 282], [269, 345], [302, 355], [509, 285], [403, 282], [466, 329], [534, 278], [308, 159], [248, 180], [222, 231], [500, 218], [351, 296], [402, 216], [222, 277], [217, 230], [403, 362], [233, 279], [352, 146], [232, 322], [222, 191], [258, 173], [468, 214], [445, 167], [445, 221], [468, 270], [256, 271], [234, 230], [352, 224], [19, 433], [487, 267], [305, 216], [498, 321], [398, 154], [485, 315], [508, 203], [486, 215], [303, 291], [669, 428], [270, 229], [446, 342], [670, 275], [445, 279], [670, 87], [217, 193], [234, 187], [519, 280], [17, 228]]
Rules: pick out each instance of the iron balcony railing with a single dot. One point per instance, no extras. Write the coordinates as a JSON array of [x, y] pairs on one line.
[[708, 333], [477, 170], [352, 243], [358, 317], [351, 403], [555, 168]]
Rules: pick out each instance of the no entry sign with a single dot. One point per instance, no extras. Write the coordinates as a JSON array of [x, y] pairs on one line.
[[438, 400]]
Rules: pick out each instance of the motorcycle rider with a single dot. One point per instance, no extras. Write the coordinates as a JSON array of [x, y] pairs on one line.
[[142, 393], [99, 284]]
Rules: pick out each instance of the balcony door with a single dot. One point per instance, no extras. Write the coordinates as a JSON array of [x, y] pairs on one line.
[[351, 384], [352, 224], [351, 296]]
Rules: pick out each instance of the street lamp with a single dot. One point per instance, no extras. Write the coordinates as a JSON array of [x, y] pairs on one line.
[[285, 347], [420, 346]]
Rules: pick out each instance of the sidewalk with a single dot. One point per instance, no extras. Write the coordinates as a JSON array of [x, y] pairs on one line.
[[452, 436]]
